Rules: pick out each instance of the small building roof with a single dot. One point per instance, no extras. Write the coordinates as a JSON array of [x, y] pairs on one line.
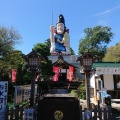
[[62, 63], [106, 64]]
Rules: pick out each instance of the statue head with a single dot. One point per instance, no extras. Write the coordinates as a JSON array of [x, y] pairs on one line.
[[60, 26]]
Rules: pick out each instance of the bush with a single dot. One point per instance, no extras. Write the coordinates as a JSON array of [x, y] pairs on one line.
[[80, 93]]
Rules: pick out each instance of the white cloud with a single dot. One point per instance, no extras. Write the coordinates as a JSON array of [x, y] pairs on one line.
[[107, 11], [103, 13], [78, 36]]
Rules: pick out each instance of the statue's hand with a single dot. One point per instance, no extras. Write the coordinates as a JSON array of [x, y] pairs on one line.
[[51, 28], [59, 41], [65, 38], [66, 44]]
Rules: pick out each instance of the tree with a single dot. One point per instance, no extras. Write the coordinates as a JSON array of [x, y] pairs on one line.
[[72, 52], [8, 38], [113, 54], [12, 60], [42, 49], [46, 65], [48, 43], [96, 40], [47, 69]]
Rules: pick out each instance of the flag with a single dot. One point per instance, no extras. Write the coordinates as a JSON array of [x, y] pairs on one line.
[[14, 73], [56, 76], [70, 74]]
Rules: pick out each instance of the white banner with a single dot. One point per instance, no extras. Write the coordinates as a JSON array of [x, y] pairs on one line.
[[99, 71], [104, 70], [3, 98]]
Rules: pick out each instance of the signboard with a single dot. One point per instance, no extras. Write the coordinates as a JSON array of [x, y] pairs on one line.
[[3, 98], [103, 70], [22, 93]]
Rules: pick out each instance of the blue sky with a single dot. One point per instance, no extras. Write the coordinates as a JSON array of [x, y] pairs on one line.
[[32, 19]]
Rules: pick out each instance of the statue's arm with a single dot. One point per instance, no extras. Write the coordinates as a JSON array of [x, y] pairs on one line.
[[65, 38], [52, 34]]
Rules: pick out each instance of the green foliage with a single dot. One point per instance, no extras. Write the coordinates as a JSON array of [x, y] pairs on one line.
[[80, 92], [96, 40], [8, 38], [11, 104], [9, 58], [113, 54], [43, 49], [74, 93], [48, 43], [46, 69], [26, 78], [12, 60], [72, 52]]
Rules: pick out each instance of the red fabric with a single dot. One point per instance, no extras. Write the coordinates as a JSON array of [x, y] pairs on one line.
[[71, 70], [14, 73], [56, 76]]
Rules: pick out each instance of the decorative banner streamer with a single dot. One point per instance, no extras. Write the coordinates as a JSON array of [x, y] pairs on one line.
[[71, 70], [56, 76], [14, 73]]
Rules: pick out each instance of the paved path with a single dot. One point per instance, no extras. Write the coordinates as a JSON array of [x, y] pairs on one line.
[[115, 103]]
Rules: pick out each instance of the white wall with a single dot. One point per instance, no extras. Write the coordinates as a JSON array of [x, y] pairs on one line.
[[108, 81], [92, 81]]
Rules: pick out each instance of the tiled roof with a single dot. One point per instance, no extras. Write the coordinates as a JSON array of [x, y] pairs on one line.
[[62, 63], [106, 64]]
